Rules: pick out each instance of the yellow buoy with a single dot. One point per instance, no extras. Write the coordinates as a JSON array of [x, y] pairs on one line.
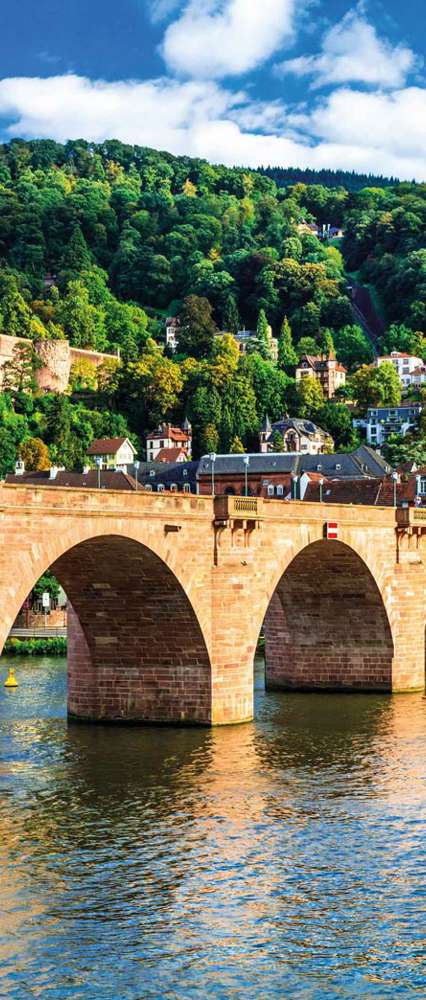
[[11, 681]]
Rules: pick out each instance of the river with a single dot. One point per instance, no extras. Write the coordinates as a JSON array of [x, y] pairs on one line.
[[283, 858]]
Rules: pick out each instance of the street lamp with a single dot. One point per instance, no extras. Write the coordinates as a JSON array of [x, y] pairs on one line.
[[395, 480], [136, 465], [246, 460], [212, 458], [99, 467], [321, 485]]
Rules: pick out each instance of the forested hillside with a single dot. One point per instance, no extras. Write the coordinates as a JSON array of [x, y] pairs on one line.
[[98, 243]]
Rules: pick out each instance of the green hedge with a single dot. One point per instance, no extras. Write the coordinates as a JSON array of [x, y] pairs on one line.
[[54, 646]]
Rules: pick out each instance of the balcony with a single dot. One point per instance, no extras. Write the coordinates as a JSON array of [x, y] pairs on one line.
[[231, 508]]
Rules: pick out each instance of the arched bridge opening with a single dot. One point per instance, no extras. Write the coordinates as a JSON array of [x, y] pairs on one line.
[[136, 651], [326, 626]]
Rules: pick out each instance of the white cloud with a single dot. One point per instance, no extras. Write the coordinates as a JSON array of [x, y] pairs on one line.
[[353, 52], [376, 132], [219, 38], [159, 10]]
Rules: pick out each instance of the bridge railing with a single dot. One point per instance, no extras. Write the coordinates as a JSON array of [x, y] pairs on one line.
[[243, 508], [411, 517]]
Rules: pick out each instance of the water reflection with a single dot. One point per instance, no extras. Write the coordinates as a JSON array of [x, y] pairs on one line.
[[279, 858]]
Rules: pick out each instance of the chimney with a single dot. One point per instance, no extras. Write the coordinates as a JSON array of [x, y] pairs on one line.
[[19, 467]]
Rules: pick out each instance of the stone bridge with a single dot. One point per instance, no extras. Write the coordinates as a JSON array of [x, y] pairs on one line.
[[169, 592]]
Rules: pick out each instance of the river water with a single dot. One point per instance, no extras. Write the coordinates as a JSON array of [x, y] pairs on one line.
[[283, 858]]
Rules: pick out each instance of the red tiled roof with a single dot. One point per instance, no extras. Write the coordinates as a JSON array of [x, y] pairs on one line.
[[170, 454], [106, 446], [174, 433]]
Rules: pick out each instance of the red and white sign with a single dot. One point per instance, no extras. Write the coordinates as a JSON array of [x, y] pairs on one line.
[[331, 529]]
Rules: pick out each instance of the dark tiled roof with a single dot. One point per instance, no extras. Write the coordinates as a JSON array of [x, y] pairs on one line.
[[109, 479], [362, 463]]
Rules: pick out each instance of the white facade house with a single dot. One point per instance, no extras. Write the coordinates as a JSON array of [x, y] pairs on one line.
[[381, 421], [172, 333], [169, 444], [404, 364], [111, 453]]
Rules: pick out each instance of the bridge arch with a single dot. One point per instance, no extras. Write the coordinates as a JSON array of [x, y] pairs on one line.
[[327, 625], [137, 643]]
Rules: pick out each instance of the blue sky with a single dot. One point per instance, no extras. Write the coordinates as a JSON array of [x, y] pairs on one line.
[[333, 84]]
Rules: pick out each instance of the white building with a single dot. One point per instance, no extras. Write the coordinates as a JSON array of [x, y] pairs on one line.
[[405, 365], [172, 333], [169, 444]]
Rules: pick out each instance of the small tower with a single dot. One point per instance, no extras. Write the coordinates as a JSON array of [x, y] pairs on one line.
[[265, 432], [187, 427]]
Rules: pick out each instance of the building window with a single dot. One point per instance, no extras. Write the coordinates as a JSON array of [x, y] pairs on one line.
[[160, 488], [186, 488], [173, 488], [423, 485], [184, 473], [148, 487], [270, 490], [152, 472], [280, 490]]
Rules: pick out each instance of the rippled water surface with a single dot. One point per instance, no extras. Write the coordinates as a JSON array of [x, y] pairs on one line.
[[284, 858]]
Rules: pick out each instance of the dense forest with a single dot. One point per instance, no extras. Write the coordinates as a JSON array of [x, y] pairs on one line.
[[349, 179], [98, 243]]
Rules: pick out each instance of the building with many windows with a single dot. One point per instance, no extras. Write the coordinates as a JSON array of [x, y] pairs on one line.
[[296, 434], [381, 421], [329, 373], [404, 364], [169, 444]]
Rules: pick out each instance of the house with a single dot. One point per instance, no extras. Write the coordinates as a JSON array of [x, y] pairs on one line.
[[111, 453], [246, 340], [172, 333], [280, 474], [405, 366], [329, 373], [177, 440], [381, 421], [298, 435], [305, 228]]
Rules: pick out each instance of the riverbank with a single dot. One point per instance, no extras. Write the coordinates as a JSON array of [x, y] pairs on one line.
[[52, 646]]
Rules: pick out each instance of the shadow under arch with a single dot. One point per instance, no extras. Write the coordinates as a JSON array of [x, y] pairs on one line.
[[327, 625], [136, 650]]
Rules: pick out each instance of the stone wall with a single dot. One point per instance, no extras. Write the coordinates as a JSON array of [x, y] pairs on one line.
[[57, 357]]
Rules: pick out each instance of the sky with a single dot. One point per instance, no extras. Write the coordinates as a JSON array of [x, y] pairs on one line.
[[318, 83]]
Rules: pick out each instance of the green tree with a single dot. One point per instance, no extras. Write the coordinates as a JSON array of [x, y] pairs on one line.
[[287, 355], [76, 257], [236, 447], [263, 335], [209, 440], [375, 386], [15, 314], [19, 374], [310, 396], [230, 317], [277, 442], [353, 348], [83, 323], [197, 327], [35, 454]]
